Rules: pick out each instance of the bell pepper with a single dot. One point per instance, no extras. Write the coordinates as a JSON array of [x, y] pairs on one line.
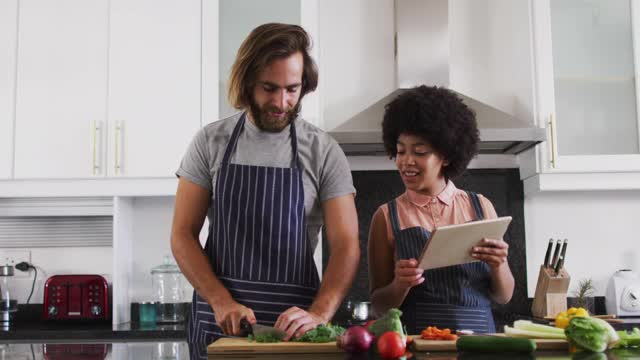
[[563, 318]]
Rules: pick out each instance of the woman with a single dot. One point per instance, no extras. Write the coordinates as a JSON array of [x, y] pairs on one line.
[[433, 135]]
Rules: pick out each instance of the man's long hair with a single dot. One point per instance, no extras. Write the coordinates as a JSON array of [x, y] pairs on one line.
[[265, 44]]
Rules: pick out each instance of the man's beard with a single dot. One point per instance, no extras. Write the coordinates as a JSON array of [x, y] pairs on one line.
[[266, 122]]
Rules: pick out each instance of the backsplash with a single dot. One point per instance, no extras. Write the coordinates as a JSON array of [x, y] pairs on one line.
[[502, 186]]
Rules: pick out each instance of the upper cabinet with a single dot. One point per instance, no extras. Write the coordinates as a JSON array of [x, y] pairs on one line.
[[8, 40], [154, 85], [106, 88], [61, 88], [587, 57]]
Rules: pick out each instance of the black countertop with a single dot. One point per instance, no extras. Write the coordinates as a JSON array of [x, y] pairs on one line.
[[182, 350], [27, 331], [104, 331], [28, 326], [29, 338]]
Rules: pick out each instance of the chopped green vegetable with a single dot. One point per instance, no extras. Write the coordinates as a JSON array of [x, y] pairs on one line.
[[591, 334], [527, 329], [264, 338], [322, 334], [628, 339], [389, 322]]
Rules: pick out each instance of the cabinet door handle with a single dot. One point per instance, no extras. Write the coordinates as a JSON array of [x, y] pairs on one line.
[[552, 127], [97, 135], [117, 151]]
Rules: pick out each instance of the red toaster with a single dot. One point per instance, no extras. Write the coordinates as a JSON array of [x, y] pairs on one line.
[[76, 297], [75, 351]]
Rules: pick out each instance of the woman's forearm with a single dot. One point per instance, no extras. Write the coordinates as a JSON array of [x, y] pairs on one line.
[[387, 297], [502, 284]]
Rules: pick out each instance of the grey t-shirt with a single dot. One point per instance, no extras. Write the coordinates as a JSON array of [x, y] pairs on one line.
[[326, 172]]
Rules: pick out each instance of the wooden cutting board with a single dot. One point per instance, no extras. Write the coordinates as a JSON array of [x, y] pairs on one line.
[[244, 346], [450, 345]]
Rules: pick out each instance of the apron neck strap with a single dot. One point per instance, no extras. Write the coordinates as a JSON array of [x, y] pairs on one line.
[[233, 142], [393, 214], [477, 207]]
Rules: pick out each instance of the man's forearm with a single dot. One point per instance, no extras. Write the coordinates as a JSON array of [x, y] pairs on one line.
[[196, 268], [336, 281]]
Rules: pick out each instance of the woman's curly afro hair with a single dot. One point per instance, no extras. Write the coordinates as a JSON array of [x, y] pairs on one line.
[[438, 116]]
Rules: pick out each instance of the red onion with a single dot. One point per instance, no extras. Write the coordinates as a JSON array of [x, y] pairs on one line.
[[356, 339]]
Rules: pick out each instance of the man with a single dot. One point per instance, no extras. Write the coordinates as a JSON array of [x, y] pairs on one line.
[[267, 180]]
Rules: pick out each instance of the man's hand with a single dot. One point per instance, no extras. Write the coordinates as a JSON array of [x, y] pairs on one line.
[[407, 274], [491, 251], [229, 314], [296, 322]]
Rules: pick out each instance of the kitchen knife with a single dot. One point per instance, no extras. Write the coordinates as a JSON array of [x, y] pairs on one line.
[[559, 265], [547, 255], [563, 252], [247, 328], [556, 253]]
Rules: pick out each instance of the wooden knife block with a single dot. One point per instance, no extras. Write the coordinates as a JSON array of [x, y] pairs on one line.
[[551, 293]]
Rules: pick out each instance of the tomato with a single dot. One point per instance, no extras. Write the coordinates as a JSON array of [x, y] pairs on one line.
[[390, 345]]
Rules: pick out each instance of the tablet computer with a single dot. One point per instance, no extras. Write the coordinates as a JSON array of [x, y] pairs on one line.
[[451, 245]]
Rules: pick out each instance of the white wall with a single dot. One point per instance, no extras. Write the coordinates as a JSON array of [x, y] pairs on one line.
[[152, 219], [59, 261], [601, 228], [237, 19]]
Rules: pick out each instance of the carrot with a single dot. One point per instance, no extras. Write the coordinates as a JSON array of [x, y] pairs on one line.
[[433, 333]]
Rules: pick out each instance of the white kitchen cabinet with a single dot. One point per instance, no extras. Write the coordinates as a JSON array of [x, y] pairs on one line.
[[61, 88], [8, 41], [154, 85], [106, 88], [587, 57]]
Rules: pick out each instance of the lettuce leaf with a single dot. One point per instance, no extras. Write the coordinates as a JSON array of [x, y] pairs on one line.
[[591, 334]]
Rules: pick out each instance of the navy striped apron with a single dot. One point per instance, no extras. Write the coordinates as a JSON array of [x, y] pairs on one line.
[[454, 297], [257, 242]]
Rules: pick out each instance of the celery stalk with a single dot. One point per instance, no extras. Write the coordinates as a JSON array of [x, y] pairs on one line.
[[512, 332], [530, 326]]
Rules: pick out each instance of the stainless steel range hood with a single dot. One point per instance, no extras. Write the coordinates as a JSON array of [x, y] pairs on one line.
[[424, 59], [500, 133]]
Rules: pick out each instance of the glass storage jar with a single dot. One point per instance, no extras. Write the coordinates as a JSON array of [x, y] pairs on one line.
[[167, 284]]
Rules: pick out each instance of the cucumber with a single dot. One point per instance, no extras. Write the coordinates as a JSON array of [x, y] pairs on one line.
[[495, 344]]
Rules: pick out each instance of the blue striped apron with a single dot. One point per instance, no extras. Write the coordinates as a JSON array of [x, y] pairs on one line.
[[454, 297], [257, 242]]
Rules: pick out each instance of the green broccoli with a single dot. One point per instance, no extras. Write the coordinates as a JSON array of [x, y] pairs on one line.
[[591, 334], [322, 334]]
